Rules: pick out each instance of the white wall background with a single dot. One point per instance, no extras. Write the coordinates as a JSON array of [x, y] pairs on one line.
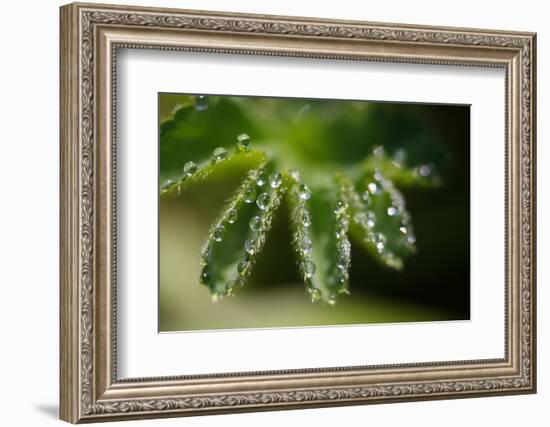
[[29, 170]]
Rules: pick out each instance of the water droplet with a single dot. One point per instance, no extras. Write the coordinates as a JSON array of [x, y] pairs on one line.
[[378, 175], [332, 299], [263, 201], [294, 174], [306, 244], [242, 266], [261, 179], [392, 211], [205, 277], [243, 142], [189, 168], [255, 223], [249, 246], [374, 188], [411, 239], [220, 154], [345, 247], [378, 151], [403, 230], [167, 183], [399, 157], [201, 103], [360, 218], [306, 219], [366, 197], [275, 180], [380, 242], [340, 205], [309, 269], [250, 195], [342, 263], [424, 170], [314, 294], [218, 233], [232, 216], [371, 219], [304, 192]]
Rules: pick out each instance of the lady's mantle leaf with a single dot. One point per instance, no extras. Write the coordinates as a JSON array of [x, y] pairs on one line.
[[320, 222], [238, 236]]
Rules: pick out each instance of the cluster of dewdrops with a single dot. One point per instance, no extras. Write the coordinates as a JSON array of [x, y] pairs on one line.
[[261, 189], [302, 236], [341, 211], [367, 218]]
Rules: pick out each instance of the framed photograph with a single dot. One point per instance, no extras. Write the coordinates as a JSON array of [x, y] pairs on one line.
[[265, 212]]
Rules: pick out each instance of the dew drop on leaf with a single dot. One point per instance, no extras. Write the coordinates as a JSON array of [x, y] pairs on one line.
[[304, 192], [167, 183], [399, 157], [218, 233], [189, 169], [374, 188], [243, 142], [249, 246], [309, 269], [314, 294], [250, 195], [232, 216], [255, 223], [424, 170], [378, 151], [294, 174], [339, 207], [220, 154], [201, 103], [371, 219], [242, 266], [263, 201], [306, 219], [275, 180], [392, 211], [261, 179], [306, 244]]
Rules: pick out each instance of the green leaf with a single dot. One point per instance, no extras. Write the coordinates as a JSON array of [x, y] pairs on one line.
[[194, 173], [192, 133], [398, 169], [239, 234], [354, 155], [320, 222], [380, 220]]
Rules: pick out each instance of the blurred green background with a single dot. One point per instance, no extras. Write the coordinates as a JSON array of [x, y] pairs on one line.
[[325, 136]]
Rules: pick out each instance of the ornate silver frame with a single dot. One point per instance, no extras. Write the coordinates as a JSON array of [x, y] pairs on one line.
[[90, 36]]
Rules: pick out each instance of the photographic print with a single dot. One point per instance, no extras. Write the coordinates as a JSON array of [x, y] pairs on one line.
[[287, 212], [348, 215]]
